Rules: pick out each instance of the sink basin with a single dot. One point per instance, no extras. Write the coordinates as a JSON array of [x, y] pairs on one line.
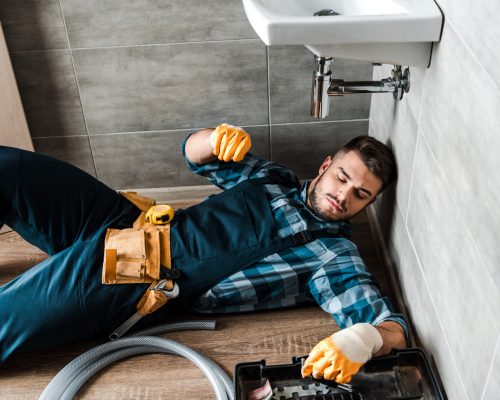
[[387, 31]]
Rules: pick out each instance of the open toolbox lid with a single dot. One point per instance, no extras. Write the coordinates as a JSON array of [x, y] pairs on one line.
[[403, 375]]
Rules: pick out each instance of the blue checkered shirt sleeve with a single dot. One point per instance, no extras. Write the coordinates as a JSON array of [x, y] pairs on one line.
[[227, 174], [345, 289]]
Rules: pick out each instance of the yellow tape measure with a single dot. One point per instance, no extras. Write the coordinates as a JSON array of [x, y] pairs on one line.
[[160, 214]]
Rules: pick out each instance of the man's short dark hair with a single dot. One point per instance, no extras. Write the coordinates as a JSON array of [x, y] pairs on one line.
[[377, 157]]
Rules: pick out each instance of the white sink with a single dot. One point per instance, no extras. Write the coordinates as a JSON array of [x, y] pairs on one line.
[[387, 31]]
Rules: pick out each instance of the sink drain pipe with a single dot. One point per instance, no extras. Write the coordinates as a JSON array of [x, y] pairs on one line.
[[73, 376]]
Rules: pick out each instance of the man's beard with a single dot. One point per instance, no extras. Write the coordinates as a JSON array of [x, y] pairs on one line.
[[315, 197]]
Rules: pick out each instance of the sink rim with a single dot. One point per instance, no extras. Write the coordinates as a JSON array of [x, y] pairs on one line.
[[277, 29], [420, 9]]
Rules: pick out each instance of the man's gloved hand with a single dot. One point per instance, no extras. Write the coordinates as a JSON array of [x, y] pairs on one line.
[[341, 355], [230, 142]]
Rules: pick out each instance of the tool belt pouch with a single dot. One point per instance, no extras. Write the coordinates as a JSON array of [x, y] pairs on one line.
[[131, 256]]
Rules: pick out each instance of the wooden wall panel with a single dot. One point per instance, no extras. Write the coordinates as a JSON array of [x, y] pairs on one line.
[[14, 129]]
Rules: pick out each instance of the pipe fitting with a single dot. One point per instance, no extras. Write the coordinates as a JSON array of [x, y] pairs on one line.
[[322, 77], [323, 86]]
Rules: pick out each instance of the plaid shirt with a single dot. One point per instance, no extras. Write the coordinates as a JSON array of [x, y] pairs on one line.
[[328, 271]]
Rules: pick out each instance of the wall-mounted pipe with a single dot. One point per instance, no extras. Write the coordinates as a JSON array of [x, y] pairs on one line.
[[324, 85]]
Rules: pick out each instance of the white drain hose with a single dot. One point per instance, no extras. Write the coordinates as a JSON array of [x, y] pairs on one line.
[[73, 376]]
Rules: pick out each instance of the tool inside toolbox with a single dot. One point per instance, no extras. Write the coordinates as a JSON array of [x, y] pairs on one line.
[[403, 375]]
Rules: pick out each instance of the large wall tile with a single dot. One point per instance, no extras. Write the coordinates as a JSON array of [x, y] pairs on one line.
[[153, 159], [477, 24], [290, 80], [465, 296], [493, 383], [303, 147], [97, 23], [385, 204], [49, 93], [395, 122], [422, 310], [173, 86], [74, 150], [460, 122], [33, 25]]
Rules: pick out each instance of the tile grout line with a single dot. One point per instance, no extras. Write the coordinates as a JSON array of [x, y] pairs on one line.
[[421, 137], [321, 122], [141, 45], [490, 370], [269, 104], [390, 267], [195, 129], [433, 303], [474, 55], [169, 44], [56, 137], [460, 217], [406, 215], [407, 211], [467, 231], [78, 88]]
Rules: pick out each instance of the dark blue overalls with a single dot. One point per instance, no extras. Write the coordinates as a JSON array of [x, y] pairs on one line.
[[65, 212]]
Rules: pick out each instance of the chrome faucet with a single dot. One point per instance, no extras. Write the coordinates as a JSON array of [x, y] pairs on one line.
[[324, 85]]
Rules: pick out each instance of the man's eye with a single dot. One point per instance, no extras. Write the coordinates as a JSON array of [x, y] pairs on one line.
[[361, 195], [341, 179]]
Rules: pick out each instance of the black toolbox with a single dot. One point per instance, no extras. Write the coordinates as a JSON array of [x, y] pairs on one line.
[[403, 375]]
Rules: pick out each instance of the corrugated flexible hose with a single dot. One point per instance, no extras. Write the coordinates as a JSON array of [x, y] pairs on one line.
[[73, 376]]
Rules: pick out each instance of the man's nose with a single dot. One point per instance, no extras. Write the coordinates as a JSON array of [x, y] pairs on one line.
[[341, 196]]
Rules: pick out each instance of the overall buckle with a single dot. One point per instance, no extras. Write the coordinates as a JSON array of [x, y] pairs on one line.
[[169, 273], [301, 237]]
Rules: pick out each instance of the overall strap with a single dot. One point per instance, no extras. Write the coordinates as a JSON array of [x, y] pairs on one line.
[[276, 178], [302, 237]]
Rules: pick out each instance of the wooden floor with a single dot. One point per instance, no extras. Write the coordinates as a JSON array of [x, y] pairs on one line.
[[275, 336]]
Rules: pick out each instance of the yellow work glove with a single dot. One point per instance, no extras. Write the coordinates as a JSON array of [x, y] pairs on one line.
[[230, 142], [341, 355]]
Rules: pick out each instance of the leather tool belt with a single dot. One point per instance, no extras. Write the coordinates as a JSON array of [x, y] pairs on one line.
[[136, 255]]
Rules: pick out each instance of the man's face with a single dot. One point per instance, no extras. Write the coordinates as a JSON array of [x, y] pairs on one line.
[[343, 187]]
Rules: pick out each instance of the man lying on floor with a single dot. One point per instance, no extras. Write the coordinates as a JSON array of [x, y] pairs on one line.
[[266, 241]]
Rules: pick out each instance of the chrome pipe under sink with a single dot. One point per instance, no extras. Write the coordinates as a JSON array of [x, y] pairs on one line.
[[324, 86]]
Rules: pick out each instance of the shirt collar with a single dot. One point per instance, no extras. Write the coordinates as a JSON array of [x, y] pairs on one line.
[[303, 191]]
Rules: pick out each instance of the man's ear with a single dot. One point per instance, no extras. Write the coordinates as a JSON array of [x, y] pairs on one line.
[[325, 164]]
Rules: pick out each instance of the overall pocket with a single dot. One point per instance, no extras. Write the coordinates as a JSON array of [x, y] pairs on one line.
[[131, 256]]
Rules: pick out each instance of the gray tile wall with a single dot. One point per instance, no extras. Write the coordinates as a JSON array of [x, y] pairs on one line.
[[443, 231], [113, 87]]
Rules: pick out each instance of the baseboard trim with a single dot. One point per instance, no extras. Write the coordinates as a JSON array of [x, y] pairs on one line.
[[178, 194]]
